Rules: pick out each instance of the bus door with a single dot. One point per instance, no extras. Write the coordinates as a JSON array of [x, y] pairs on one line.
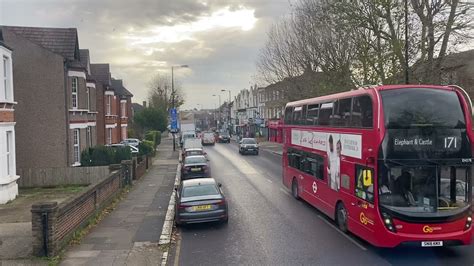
[[362, 205]]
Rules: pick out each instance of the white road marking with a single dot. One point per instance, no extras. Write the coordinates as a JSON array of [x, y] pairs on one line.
[[342, 233], [268, 180]]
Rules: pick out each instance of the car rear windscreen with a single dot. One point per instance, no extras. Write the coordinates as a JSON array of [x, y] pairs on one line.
[[201, 190], [192, 160]]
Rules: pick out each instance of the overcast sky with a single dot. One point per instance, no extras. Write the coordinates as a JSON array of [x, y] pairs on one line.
[[218, 39]]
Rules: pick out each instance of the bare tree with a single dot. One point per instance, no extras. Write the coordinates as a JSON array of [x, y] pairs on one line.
[[442, 23], [160, 94], [277, 59]]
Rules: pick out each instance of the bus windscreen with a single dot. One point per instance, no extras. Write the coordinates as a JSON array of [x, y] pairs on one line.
[[419, 107]]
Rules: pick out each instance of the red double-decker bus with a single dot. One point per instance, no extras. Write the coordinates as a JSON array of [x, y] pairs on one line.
[[391, 164]]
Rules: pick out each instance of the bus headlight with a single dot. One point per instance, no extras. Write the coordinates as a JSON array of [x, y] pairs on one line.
[[468, 221], [388, 222]]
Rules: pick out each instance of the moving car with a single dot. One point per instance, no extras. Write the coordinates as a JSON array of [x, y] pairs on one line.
[[248, 145], [208, 138], [195, 166], [224, 138], [200, 200]]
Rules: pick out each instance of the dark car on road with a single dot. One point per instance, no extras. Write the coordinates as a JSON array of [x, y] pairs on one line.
[[195, 166], [248, 145], [199, 201], [223, 138]]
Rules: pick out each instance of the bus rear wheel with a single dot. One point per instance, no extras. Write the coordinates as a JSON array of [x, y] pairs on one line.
[[294, 189], [341, 217]]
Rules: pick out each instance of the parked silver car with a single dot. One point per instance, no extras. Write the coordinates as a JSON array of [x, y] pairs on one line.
[[200, 200]]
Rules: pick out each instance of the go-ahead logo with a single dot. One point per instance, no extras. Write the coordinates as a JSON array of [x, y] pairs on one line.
[[428, 229]]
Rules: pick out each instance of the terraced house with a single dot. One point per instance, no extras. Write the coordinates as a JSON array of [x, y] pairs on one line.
[[8, 177], [56, 113]]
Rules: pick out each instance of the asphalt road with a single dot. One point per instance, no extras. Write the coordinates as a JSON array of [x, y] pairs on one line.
[[268, 227]]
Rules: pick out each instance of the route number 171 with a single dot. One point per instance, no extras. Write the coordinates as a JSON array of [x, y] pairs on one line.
[[450, 142]]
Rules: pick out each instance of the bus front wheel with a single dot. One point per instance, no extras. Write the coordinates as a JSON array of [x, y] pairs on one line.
[[341, 217], [294, 189]]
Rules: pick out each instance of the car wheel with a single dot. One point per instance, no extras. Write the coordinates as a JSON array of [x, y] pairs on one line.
[[341, 217], [294, 189]]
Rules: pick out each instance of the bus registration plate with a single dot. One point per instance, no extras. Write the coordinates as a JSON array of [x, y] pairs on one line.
[[428, 244]]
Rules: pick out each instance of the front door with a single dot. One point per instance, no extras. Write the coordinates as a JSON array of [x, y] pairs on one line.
[[364, 212]]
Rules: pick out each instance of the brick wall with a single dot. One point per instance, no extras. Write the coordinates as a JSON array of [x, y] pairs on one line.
[[141, 167], [58, 222]]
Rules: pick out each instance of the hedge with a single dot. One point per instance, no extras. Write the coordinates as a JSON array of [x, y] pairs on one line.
[[102, 155], [154, 136], [145, 147]]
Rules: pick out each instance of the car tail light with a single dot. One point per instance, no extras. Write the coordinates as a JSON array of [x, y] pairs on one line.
[[182, 206], [221, 202]]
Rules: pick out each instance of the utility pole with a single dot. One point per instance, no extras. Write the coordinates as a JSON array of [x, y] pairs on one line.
[[173, 104]]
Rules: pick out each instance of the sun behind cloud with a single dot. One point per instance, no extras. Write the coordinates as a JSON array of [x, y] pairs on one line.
[[243, 19]]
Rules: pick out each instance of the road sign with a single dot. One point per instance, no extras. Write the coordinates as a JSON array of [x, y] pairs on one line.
[[174, 119]]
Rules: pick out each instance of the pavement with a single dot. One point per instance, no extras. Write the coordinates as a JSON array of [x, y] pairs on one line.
[[130, 234], [15, 223], [267, 226]]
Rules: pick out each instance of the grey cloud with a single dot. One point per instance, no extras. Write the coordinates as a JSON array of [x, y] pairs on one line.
[[218, 59]]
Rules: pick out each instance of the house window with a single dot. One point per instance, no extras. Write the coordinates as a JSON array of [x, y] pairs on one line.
[[109, 104], [109, 136], [74, 92], [7, 91], [88, 98], [123, 109], [124, 132], [77, 150], [10, 155], [89, 137]]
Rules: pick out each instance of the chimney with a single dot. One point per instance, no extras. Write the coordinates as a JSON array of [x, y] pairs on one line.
[[144, 104]]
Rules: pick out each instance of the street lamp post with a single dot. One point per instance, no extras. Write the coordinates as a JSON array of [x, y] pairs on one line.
[[173, 93]]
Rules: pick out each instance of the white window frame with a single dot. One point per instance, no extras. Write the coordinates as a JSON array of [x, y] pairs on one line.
[[77, 146], [109, 135], [109, 105], [124, 132], [9, 153], [5, 77], [88, 98], [123, 112], [75, 92]]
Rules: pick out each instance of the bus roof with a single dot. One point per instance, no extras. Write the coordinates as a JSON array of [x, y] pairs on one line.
[[361, 91]]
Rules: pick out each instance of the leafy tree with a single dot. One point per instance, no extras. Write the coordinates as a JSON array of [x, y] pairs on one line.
[[152, 118]]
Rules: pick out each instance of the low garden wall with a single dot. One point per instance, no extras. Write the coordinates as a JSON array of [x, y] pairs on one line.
[[54, 224]]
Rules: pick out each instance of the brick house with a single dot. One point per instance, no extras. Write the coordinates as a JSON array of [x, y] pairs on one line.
[[124, 104], [116, 102], [8, 177], [56, 114]]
